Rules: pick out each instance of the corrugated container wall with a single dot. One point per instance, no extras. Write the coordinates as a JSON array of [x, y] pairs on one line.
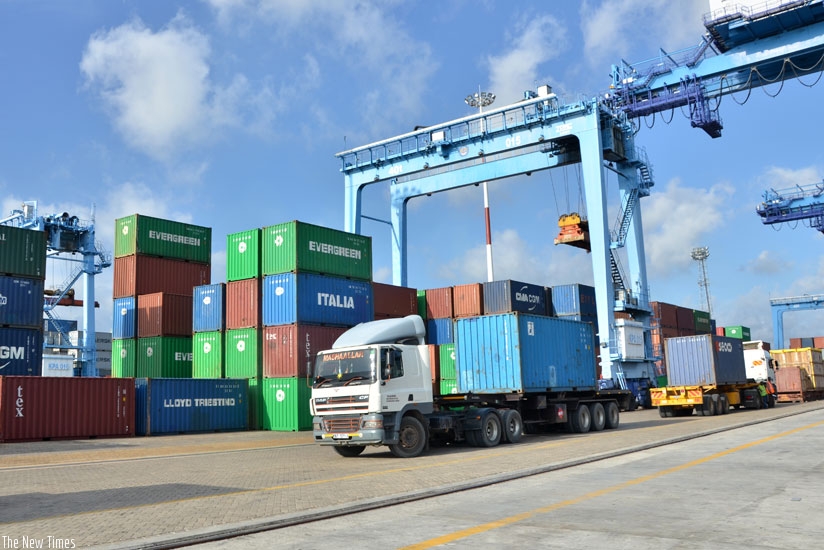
[[285, 404], [124, 318], [138, 234], [440, 331], [21, 351], [517, 352], [290, 350], [704, 360], [134, 275], [242, 355], [208, 355], [809, 359], [22, 252], [702, 321], [392, 301], [792, 380], [124, 358], [447, 362], [510, 296], [315, 299], [175, 405], [35, 407], [243, 253], [243, 303], [573, 299], [21, 302], [685, 319], [209, 303], [422, 304], [468, 300], [164, 357], [665, 314], [299, 246], [434, 363], [439, 303], [163, 314]]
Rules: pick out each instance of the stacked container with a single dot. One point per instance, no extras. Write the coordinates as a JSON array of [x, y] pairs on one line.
[[209, 327], [22, 277]]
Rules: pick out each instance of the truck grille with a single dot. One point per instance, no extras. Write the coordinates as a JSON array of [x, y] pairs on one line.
[[343, 404], [343, 424]]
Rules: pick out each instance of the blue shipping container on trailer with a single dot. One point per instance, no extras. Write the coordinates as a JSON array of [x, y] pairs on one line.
[[21, 351], [124, 318], [508, 296], [21, 301], [705, 359], [290, 298], [209, 313], [517, 352], [188, 405]]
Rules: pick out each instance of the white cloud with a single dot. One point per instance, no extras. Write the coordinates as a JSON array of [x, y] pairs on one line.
[[766, 263]]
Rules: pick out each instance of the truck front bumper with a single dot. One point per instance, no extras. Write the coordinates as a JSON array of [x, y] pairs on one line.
[[361, 430]]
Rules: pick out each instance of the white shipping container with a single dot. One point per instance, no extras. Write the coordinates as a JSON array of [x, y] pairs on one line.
[[102, 340], [58, 365]]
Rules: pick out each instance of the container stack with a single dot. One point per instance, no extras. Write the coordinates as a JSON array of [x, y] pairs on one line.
[[103, 350], [209, 328], [672, 321], [22, 279]]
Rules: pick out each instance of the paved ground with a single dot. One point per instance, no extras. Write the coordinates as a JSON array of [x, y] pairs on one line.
[[159, 491]]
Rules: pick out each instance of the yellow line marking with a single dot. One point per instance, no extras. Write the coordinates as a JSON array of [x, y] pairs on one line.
[[458, 535]]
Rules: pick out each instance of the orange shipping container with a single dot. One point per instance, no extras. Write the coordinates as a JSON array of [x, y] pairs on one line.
[[818, 342], [468, 300], [439, 303], [666, 314], [243, 303], [136, 274], [163, 314], [792, 380], [394, 301]]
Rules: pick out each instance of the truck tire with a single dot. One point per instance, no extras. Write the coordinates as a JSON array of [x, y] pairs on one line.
[[665, 411], [411, 438], [490, 433], [599, 417], [612, 416], [513, 425], [724, 403], [581, 420], [348, 451], [471, 437]]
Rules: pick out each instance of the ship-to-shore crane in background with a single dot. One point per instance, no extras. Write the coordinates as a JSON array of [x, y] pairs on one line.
[[747, 45], [66, 238]]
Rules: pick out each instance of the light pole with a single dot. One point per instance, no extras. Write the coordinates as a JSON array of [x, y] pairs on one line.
[[480, 100], [700, 255]]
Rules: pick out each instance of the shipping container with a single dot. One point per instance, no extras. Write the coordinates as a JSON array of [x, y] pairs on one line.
[[208, 359], [243, 303], [209, 302], [511, 296], [705, 360], [573, 299], [164, 314], [422, 304], [434, 362], [742, 333], [21, 351], [290, 350], [290, 298], [818, 342], [243, 255], [302, 247], [448, 387], [702, 322], [665, 314], [439, 304], [144, 235], [102, 340], [164, 357], [124, 358], [58, 365], [792, 380], [134, 275], [440, 331], [21, 301], [285, 404], [394, 301], [468, 300], [22, 252], [685, 318], [124, 318], [186, 405], [254, 403], [242, 355], [809, 359], [36, 407], [517, 352], [446, 358]]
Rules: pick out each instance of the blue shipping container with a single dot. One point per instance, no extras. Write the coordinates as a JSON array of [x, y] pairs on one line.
[[209, 313], [515, 352], [573, 299], [440, 331], [21, 351], [705, 359], [290, 298], [187, 405], [21, 301], [124, 318], [509, 296]]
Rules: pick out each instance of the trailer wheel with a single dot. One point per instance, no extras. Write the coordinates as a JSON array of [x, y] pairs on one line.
[[599, 417], [581, 420], [348, 451], [665, 411], [490, 433], [612, 416], [708, 407], [724, 403], [411, 438], [513, 425]]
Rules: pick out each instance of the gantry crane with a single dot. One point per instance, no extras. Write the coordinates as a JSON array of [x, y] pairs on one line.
[[742, 50], [66, 237]]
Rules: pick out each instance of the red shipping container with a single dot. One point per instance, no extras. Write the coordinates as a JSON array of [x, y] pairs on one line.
[[243, 301], [792, 380], [439, 303], [685, 318], [164, 314], [665, 313], [818, 342], [720, 331], [290, 350], [36, 407], [394, 301], [138, 274], [468, 300]]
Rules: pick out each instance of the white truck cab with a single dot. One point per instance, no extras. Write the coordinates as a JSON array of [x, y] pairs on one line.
[[760, 364]]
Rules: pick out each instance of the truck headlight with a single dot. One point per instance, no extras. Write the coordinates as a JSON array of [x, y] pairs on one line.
[[317, 426], [373, 424]]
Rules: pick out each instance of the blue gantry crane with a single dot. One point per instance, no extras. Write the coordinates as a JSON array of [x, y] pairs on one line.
[[68, 237], [743, 49]]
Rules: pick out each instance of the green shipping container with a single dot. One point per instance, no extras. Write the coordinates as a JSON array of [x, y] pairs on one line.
[[703, 324], [243, 353], [164, 357], [285, 404], [124, 359], [449, 387], [243, 255], [297, 246], [254, 403], [738, 332], [447, 358], [138, 234], [22, 252], [207, 355], [422, 304]]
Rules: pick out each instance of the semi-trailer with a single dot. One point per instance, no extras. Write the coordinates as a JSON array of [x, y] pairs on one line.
[[516, 373], [706, 374]]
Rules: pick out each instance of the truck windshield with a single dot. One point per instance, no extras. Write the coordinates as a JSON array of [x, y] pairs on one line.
[[344, 368]]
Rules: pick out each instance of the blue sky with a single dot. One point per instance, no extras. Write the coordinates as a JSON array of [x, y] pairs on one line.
[[229, 113]]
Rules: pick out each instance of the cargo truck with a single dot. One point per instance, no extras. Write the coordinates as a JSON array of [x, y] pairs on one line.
[[706, 374], [516, 373], [759, 363]]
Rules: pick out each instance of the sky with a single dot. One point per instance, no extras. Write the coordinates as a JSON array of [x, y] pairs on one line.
[[229, 114]]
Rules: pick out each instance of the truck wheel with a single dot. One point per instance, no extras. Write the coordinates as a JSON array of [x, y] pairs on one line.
[[612, 416], [471, 437], [513, 425], [490, 433], [708, 407], [411, 438], [664, 411], [581, 420], [350, 451], [599, 418], [716, 405], [724, 403]]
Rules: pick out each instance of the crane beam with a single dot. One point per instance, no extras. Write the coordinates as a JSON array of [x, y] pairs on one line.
[[779, 306]]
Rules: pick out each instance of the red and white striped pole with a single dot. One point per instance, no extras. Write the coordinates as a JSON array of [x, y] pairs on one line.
[[481, 100]]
